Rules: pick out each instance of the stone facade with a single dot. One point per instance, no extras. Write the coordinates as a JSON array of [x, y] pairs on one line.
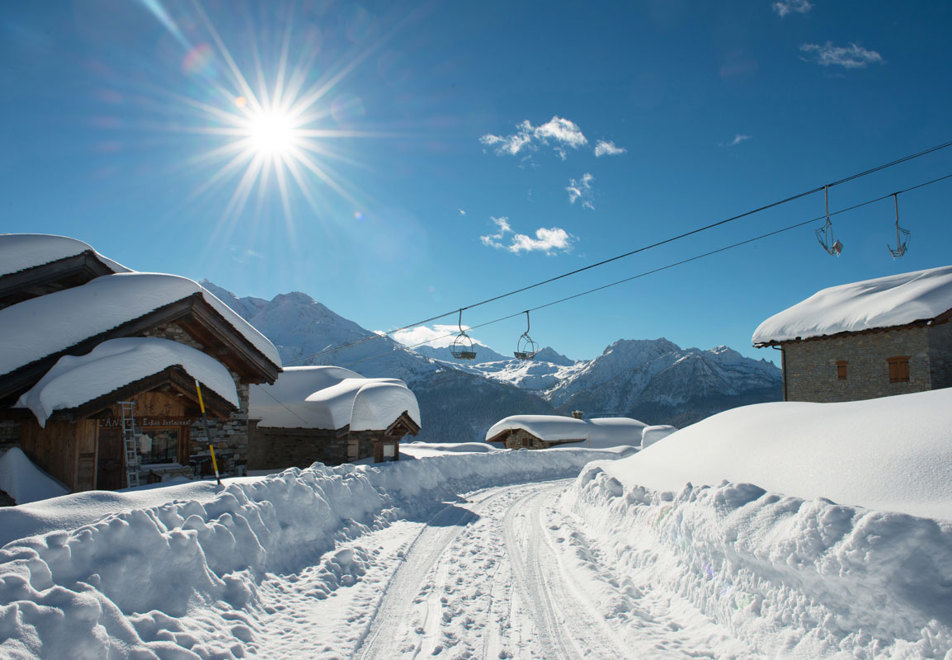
[[522, 439], [279, 448], [810, 367]]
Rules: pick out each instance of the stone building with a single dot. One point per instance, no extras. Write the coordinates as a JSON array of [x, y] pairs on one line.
[[868, 339], [83, 334], [545, 431], [330, 415]]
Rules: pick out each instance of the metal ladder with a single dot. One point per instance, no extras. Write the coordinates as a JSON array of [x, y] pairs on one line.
[[129, 443]]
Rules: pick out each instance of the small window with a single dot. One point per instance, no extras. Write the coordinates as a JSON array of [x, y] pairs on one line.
[[841, 370], [899, 369]]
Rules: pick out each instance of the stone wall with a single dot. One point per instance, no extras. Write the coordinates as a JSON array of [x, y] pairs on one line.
[[811, 373], [230, 436], [940, 354], [277, 449]]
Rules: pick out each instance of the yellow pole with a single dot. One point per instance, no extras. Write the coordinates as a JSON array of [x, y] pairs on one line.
[[214, 463], [211, 448]]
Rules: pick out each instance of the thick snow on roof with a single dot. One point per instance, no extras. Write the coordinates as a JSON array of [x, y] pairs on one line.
[[891, 454], [21, 251], [25, 482], [331, 398], [653, 434], [45, 325], [880, 303], [603, 432], [75, 380]]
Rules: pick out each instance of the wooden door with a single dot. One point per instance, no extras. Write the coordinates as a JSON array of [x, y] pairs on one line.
[[109, 473]]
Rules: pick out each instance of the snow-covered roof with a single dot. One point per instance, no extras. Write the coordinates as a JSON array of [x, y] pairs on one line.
[[36, 328], [880, 303], [21, 251], [331, 398], [75, 380], [605, 431]]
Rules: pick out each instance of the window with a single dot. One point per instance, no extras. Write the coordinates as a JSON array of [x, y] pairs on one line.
[[159, 445], [841, 369], [899, 369]]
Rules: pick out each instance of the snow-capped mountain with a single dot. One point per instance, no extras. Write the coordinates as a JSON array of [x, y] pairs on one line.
[[655, 381]]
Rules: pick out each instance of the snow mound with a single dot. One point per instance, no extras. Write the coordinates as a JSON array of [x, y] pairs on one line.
[[891, 454], [791, 577], [25, 482], [603, 432], [427, 449], [331, 398], [123, 586], [54, 322], [22, 251], [74, 380], [880, 303]]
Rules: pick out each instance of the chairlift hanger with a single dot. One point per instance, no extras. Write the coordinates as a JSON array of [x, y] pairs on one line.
[[526, 349], [463, 347], [825, 233], [902, 235]]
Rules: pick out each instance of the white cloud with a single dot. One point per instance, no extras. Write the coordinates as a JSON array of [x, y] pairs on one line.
[[558, 132], [495, 240], [462, 212], [548, 240], [437, 336], [738, 139], [608, 148], [848, 57], [784, 7], [581, 189]]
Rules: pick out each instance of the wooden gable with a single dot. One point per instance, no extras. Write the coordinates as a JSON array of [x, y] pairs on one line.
[[51, 277]]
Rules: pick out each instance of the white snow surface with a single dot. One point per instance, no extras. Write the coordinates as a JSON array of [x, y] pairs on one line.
[[890, 454], [879, 303], [182, 571], [75, 380], [21, 251], [331, 398], [25, 482], [653, 434], [600, 432], [58, 320]]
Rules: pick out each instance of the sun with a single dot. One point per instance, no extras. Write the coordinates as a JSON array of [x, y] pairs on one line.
[[272, 133]]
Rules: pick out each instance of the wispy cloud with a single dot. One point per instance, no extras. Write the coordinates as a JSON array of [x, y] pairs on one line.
[[438, 336], [848, 57], [607, 148], [581, 189], [462, 211], [784, 7], [740, 137], [547, 239], [558, 132]]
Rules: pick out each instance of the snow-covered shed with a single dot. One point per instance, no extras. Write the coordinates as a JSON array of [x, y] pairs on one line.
[[75, 348], [863, 340], [328, 414], [544, 431]]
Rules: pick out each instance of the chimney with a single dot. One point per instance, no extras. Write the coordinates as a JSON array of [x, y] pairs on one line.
[[578, 414]]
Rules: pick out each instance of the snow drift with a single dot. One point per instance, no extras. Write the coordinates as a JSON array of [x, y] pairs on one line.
[[25, 482]]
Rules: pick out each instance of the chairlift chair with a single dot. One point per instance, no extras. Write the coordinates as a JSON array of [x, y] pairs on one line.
[[825, 233], [526, 349], [902, 235], [463, 347]]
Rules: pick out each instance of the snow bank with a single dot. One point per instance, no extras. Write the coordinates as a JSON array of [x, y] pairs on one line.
[[790, 577], [653, 434], [880, 303], [331, 398], [603, 432], [428, 449], [25, 482], [21, 251], [51, 323], [892, 454], [74, 380], [123, 585]]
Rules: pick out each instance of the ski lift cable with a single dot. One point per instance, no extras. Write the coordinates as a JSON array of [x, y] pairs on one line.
[[645, 248], [697, 257]]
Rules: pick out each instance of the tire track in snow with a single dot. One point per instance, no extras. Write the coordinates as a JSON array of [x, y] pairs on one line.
[[566, 627]]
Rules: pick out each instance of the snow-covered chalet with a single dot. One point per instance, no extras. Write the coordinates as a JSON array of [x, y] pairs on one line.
[[868, 339], [82, 335], [328, 414], [545, 431]]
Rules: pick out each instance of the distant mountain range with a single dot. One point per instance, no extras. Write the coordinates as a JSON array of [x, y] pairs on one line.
[[654, 380]]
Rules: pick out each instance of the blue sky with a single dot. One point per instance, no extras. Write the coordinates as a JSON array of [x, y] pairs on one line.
[[449, 152]]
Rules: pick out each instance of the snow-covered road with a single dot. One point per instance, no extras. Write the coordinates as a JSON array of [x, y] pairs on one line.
[[502, 572]]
